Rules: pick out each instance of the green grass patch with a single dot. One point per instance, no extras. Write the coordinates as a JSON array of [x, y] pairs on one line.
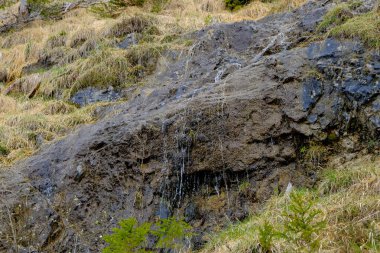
[[366, 27], [3, 150], [336, 16], [340, 22]]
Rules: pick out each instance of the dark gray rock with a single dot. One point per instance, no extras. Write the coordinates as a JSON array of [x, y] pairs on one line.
[[312, 118], [312, 90], [3, 75], [376, 121], [332, 48], [191, 212], [164, 211], [129, 41], [376, 106], [92, 95], [310, 21], [362, 92]]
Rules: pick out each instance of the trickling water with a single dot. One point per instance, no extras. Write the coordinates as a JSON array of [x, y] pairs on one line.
[[278, 38], [180, 176], [237, 180], [219, 75], [182, 171], [217, 190], [165, 171], [217, 185], [177, 184], [221, 71]]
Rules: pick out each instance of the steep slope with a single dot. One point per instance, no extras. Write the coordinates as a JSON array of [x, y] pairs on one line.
[[236, 109]]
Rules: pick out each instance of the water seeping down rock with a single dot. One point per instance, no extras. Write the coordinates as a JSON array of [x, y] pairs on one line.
[[236, 108]]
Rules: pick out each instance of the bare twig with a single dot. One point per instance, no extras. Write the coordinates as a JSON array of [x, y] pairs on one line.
[[14, 234]]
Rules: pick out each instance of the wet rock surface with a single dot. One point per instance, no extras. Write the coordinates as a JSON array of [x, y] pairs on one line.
[[92, 95], [234, 110]]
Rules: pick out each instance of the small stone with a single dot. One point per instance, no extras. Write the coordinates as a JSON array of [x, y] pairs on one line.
[[312, 118], [92, 95], [348, 144], [190, 212], [129, 41], [80, 173]]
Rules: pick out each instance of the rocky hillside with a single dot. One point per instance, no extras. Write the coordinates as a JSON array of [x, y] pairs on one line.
[[211, 123]]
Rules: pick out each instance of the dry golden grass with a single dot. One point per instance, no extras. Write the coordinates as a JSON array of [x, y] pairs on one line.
[[26, 123], [349, 198], [21, 48], [190, 15]]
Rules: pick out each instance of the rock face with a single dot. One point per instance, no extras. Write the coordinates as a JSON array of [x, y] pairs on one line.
[[234, 111], [92, 95]]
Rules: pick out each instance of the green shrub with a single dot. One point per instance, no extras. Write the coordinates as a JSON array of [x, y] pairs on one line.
[[340, 215], [266, 236], [244, 186], [300, 227], [109, 9], [314, 154], [52, 11], [37, 5], [6, 3], [301, 222], [171, 233], [3, 150], [235, 4], [113, 8], [208, 19], [158, 5], [136, 2], [132, 238]]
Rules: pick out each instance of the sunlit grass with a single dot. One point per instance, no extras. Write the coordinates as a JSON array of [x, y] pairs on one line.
[[26, 123], [349, 198]]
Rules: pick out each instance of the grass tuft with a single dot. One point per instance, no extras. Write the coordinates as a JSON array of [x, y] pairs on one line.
[[336, 16], [54, 41], [80, 37], [340, 22], [25, 124], [366, 27], [126, 26], [58, 107], [103, 69]]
